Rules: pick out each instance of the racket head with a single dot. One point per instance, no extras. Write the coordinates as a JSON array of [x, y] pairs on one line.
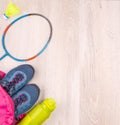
[[7, 53]]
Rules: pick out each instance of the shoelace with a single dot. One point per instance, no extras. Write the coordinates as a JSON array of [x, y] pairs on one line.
[[18, 77], [18, 101], [11, 85]]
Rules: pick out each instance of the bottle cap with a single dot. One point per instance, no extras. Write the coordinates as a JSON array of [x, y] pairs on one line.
[[51, 104]]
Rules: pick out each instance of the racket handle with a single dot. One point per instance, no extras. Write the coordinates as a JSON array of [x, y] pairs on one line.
[[3, 56]]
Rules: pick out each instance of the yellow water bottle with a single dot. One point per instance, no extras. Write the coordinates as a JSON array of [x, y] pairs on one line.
[[39, 113]]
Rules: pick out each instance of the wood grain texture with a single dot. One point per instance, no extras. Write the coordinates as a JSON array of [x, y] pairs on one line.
[[81, 67]]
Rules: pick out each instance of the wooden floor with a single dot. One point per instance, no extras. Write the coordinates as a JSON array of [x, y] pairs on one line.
[[81, 67]]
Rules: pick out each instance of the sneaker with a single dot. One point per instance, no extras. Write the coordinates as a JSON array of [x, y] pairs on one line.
[[17, 78], [25, 98]]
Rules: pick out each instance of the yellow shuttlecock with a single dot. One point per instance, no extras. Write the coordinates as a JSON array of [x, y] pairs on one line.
[[11, 10]]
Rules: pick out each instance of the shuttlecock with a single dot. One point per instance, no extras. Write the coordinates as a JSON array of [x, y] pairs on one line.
[[11, 10]]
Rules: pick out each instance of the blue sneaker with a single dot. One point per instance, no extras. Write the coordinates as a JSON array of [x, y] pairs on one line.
[[25, 98], [17, 78]]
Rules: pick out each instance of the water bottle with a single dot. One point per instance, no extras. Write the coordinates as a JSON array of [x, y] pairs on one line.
[[39, 113]]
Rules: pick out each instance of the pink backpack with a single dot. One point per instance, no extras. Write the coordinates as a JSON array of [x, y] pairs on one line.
[[6, 108]]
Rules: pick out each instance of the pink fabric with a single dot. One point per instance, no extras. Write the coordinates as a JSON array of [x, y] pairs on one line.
[[6, 108], [2, 74]]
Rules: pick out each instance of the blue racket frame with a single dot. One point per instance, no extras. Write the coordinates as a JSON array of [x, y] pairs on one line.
[[39, 53]]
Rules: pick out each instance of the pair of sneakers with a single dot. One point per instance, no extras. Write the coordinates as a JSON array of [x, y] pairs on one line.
[[15, 84]]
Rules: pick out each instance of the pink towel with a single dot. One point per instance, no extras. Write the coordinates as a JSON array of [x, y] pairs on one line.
[[6, 108], [2, 75]]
